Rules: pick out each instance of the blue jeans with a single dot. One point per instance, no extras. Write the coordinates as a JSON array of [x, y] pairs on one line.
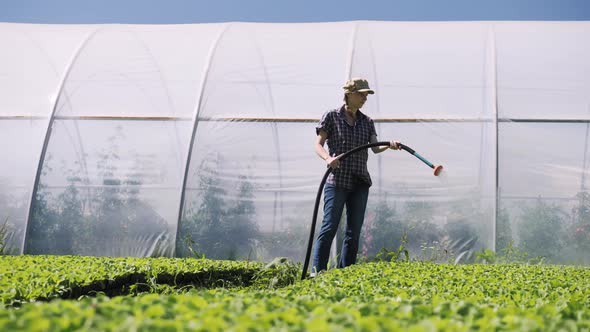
[[334, 202]]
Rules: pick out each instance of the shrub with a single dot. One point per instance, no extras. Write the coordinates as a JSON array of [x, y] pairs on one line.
[[540, 230]]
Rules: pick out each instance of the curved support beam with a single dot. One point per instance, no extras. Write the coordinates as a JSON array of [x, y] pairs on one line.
[[48, 136], [352, 46], [494, 72], [275, 133], [583, 177], [377, 103], [166, 90], [197, 111]]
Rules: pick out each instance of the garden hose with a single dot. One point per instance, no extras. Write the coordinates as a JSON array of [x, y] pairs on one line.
[[437, 170]]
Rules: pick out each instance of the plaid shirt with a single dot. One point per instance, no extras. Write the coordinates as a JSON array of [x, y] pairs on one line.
[[343, 137]]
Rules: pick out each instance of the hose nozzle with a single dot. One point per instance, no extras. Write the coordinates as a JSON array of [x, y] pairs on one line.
[[437, 169]]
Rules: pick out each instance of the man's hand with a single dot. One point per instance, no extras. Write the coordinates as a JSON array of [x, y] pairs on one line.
[[333, 162], [395, 145]]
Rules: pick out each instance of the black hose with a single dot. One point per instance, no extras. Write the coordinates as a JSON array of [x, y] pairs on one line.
[[407, 148], [319, 195]]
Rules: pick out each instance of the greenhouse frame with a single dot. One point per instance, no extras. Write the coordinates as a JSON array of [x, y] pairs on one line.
[[197, 139]]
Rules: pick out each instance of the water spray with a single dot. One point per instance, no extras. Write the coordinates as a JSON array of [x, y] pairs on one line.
[[437, 170]]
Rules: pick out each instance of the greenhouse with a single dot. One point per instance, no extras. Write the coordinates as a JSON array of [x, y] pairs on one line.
[[197, 139]]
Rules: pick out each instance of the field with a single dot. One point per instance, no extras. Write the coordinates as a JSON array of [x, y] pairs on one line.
[[65, 293]]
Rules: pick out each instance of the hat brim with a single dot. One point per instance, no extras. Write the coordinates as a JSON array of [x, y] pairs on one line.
[[371, 92]]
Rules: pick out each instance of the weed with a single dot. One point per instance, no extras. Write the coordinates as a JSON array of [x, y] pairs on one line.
[[191, 246], [4, 237], [509, 254], [395, 255], [276, 274]]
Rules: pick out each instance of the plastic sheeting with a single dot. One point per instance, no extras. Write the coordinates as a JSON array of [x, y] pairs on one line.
[[144, 140]]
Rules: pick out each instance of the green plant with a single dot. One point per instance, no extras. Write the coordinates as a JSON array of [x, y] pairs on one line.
[[436, 252], [290, 242], [4, 230], [12, 210], [486, 256], [383, 229], [503, 230], [510, 254], [425, 239], [41, 237], [578, 232], [378, 296], [280, 272], [395, 255], [39, 277], [220, 228], [107, 219], [191, 246]]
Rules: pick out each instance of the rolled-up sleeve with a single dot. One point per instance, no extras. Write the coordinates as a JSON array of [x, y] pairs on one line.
[[372, 130], [326, 124]]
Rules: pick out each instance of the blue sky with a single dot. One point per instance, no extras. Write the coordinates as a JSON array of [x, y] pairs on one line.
[[200, 11]]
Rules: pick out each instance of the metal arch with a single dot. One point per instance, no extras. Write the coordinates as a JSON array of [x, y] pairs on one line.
[[489, 83], [48, 135], [80, 153], [379, 156], [484, 96], [497, 141], [352, 49], [583, 177], [275, 132], [193, 134], [166, 89], [374, 68]]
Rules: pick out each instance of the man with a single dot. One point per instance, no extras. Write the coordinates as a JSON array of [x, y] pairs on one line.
[[348, 185]]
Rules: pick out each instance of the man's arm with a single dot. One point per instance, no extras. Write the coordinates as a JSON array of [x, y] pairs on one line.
[[378, 149], [321, 151]]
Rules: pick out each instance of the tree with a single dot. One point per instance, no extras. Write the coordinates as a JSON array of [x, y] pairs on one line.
[[503, 230], [220, 229], [41, 228], [541, 229], [578, 233], [41, 238], [240, 225], [421, 230], [108, 220], [383, 230], [70, 215]]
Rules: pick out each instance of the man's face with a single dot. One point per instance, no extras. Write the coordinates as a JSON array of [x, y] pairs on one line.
[[357, 99]]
